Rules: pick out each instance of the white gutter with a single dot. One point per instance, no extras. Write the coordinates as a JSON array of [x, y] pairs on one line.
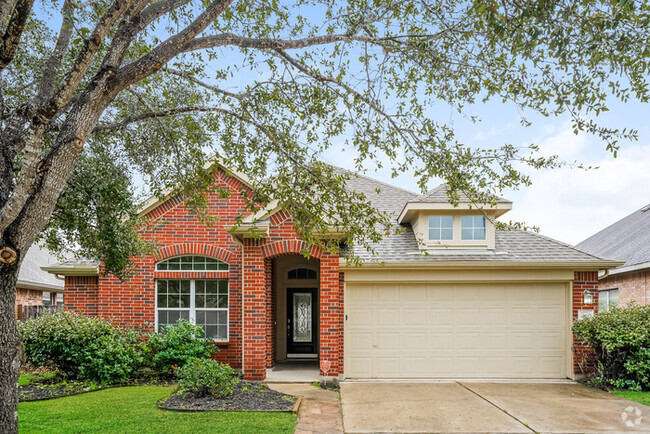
[[582, 266], [635, 267]]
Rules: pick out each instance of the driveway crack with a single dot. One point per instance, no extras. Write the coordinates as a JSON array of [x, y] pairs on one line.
[[494, 405]]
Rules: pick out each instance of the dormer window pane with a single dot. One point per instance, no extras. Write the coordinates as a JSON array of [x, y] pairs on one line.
[[441, 227], [472, 227]]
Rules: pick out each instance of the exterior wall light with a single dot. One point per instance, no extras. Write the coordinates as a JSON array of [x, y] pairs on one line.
[[587, 297]]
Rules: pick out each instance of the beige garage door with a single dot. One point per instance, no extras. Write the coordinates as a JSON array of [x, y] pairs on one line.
[[456, 330]]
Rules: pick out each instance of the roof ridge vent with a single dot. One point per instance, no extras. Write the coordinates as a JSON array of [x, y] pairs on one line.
[[645, 208]]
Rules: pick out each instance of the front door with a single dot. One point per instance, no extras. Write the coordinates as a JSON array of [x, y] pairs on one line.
[[301, 321]]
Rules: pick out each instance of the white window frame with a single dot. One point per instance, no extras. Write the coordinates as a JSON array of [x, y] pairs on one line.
[[473, 228], [607, 292], [218, 261], [192, 307], [440, 228]]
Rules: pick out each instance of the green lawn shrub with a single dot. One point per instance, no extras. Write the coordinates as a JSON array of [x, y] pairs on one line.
[[621, 338], [84, 348], [177, 345], [202, 377]]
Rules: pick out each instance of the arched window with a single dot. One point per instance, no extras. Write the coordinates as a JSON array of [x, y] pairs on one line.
[[301, 273], [191, 263], [203, 302]]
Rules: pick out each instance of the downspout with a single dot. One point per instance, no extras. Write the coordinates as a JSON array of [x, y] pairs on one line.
[[243, 300]]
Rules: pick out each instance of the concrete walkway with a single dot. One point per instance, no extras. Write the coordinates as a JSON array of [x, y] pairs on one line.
[[487, 407], [320, 411]]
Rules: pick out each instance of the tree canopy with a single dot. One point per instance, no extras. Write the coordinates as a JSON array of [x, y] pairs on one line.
[[151, 90]]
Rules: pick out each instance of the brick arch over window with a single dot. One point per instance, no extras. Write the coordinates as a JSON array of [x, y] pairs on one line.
[[289, 247], [193, 249]]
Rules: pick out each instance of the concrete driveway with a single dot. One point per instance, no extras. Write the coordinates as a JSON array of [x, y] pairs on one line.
[[487, 407]]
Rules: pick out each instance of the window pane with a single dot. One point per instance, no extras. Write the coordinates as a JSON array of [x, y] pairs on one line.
[[185, 300], [172, 301], [479, 234], [603, 298], [434, 221], [162, 300], [466, 234], [447, 222], [446, 234], [223, 302], [172, 287], [185, 287], [613, 297], [434, 233]]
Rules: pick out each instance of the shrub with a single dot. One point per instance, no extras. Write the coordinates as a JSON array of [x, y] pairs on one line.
[[84, 348], [621, 338], [176, 345], [202, 377]]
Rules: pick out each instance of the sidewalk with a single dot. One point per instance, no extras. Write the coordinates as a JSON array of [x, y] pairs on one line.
[[320, 411]]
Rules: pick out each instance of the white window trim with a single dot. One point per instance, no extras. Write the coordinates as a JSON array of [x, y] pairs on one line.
[[192, 307], [219, 261]]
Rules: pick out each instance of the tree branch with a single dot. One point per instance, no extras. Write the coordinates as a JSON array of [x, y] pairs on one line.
[[84, 59], [169, 48], [11, 37], [203, 84], [110, 128], [61, 47]]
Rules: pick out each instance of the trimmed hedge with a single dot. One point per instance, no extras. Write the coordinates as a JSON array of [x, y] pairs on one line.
[[202, 377], [621, 338]]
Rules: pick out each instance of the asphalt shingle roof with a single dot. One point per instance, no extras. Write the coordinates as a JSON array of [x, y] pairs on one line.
[[510, 246], [440, 195], [30, 270], [626, 240]]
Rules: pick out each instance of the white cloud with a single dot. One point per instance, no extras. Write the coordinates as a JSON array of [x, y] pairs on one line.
[[573, 204]]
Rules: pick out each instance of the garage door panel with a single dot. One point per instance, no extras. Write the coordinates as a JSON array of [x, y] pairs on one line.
[[456, 331]]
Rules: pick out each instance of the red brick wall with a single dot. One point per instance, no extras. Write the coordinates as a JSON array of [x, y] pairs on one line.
[[584, 358], [81, 294], [632, 286]]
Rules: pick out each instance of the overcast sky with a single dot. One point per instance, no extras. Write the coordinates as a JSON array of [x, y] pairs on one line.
[[567, 204]]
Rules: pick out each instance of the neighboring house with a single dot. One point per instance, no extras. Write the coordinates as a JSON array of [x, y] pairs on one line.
[[36, 287], [466, 302], [627, 240]]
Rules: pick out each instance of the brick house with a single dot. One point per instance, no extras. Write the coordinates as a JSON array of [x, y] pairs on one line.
[[448, 297], [36, 287], [627, 240]]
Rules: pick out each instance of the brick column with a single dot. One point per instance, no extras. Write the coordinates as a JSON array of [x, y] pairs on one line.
[[584, 358], [331, 313], [254, 323]]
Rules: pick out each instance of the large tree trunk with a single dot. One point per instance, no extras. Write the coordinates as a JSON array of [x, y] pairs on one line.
[[10, 350]]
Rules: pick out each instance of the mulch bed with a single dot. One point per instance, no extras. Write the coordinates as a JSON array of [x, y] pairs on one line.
[[39, 391], [245, 396]]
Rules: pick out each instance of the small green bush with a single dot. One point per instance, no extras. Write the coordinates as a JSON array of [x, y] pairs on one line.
[[84, 348], [202, 377], [177, 345], [621, 338]]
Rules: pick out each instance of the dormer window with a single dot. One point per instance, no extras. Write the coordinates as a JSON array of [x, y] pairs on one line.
[[472, 227], [441, 227]]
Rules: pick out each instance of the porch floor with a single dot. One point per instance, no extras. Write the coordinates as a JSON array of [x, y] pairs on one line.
[[293, 372]]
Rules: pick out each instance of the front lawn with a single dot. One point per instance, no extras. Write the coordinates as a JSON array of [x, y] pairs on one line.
[[133, 409], [640, 397]]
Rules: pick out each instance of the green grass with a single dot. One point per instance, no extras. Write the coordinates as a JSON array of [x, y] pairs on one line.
[[133, 409], [640, 397], [26, 379]]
